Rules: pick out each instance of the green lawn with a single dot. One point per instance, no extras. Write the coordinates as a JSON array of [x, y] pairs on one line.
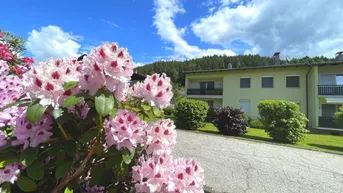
[[327, 143]]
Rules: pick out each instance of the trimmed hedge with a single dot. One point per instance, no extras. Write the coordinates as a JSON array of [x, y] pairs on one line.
[[338, 118], [231, 121], [282, 120], [190, 114]]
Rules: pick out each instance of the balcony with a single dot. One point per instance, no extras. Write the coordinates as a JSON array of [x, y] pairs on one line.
[[330, 90], [327, 122], [193, 91]]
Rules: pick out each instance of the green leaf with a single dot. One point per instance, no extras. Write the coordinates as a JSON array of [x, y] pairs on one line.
[[9, 160], [104, 103], [28, 156], [60, 157], [70, 147], [35, 111], [57, 113], [113, 112], [146, 107], [97, 174], [128, 156], [55, 149], [35, 171], [26, 184], [22, 102], [63, 169], [89, 135], [69, 85], [68, 190], [71, 100], [6, 188], [156, 111]]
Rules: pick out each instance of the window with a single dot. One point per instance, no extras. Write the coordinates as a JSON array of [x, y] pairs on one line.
[[245, 83], [267, 82], [245, 105], [210, 85], [328, 110], [292, 81], [339, 79]]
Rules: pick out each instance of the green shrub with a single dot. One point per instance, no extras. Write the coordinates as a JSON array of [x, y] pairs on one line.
[[338, 117], [190, 113], [231, 121], [256, 123], [282, 120], [169, 111]]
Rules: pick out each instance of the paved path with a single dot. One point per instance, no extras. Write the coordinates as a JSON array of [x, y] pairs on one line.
[[233, 165]]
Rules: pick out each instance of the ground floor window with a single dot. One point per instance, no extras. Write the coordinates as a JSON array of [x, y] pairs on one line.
[[328, 110], [245, 105]]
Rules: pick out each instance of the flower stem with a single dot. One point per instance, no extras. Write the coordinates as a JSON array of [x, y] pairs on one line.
[[64, 133]]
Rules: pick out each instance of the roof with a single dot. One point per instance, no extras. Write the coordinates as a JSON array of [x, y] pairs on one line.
[[267, 67]]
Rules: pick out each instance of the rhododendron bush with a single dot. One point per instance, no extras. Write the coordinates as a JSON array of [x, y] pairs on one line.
[[71, 125]]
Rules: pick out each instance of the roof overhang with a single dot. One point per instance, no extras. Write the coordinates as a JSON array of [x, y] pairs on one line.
[[332, 100]]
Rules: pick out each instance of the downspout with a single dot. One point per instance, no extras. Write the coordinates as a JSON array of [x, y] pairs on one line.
[[307, 94]]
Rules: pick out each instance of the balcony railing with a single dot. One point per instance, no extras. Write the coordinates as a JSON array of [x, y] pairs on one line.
[[330, 89], [216, 91], [328, 122]]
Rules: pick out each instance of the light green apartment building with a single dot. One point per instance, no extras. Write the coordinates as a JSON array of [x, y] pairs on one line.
[[317, 88]]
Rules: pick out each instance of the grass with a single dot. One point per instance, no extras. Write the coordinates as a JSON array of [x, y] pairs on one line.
[[326, 143]]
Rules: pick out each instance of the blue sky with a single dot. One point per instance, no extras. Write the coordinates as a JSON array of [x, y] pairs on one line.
[[176, 29]]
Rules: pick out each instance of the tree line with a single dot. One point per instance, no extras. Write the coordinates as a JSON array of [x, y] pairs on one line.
[[175, 69]]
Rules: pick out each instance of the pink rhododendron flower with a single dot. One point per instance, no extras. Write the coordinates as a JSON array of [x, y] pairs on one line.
[[161, 137], [3, 140], [28, 61], [45, 81], [163, 174], [9, 173], [4, 69], [82, 106], [5, 53], [10, 89], [9, 116], [107, 65], [155, 89], [18, 70], [188, 176], [32, 134], [126, 130]]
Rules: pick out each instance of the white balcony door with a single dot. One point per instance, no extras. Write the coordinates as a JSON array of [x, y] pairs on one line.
[[328, 79]]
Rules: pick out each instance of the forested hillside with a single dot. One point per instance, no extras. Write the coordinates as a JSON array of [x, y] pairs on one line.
[[175, 69]]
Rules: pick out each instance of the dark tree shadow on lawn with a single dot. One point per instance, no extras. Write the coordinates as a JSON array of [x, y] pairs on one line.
[[328, 147]]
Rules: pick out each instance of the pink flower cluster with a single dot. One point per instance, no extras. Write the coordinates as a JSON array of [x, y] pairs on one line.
[[161, 137], [107, 66], [4, 70], [5, 53], [126, 130], [9, 173], [45, 81], [163, 174], [10, 90], [155, 89], [32, 134], [28, 61]]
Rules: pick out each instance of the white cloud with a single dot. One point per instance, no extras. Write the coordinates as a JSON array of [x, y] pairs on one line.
[[52, 41], [166, 11], [295, 28]]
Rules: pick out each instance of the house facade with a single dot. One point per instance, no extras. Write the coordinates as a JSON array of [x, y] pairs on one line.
[[316, 88]]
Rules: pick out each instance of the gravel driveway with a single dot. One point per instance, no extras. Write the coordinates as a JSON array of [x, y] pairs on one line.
[[233, 165]]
